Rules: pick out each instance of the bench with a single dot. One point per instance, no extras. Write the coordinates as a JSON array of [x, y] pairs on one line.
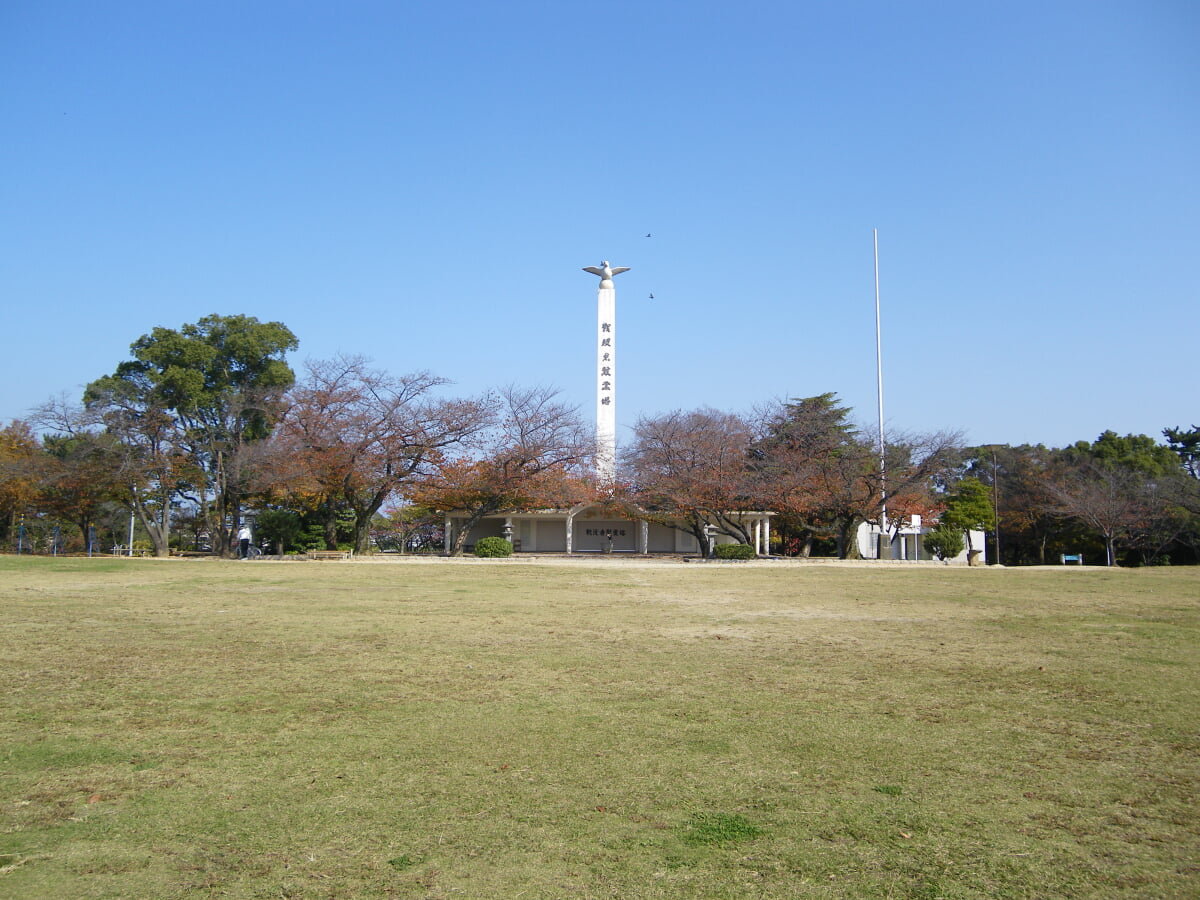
[[1071, 558], [330, 554]]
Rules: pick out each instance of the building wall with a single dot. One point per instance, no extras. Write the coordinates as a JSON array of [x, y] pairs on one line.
[[660, 538], [909, 542], [486, 528], [592, 535], [548, 536]]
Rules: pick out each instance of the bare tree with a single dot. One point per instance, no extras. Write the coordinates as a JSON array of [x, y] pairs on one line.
[[1110, 499]]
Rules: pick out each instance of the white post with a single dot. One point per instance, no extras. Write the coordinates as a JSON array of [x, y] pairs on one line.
[[883, 529]]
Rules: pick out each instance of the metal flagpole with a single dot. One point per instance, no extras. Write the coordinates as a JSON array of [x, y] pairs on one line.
[[996, 501], [883, 548]]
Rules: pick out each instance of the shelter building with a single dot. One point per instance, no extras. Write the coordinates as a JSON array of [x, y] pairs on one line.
[[590, 528]]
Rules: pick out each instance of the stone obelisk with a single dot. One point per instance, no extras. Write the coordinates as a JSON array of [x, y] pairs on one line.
[[606, 371]]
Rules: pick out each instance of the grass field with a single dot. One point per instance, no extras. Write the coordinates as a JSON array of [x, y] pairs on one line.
[[180, 729]]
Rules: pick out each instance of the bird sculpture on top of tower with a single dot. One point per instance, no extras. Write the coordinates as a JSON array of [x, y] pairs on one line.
[[606, 272]]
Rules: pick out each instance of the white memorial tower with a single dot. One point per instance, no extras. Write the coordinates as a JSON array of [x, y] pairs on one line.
[[606, 371]]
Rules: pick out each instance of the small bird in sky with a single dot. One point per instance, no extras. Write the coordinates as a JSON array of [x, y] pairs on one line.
[[651, 296], [647, 234]]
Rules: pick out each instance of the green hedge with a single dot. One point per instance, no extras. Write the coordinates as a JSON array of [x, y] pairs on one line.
[[733, 551], [493, 547]]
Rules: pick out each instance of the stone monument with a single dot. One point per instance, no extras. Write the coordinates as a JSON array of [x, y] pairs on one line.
[[606, 371]]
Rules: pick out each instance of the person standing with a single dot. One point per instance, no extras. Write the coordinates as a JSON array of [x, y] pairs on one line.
[[244, 537]]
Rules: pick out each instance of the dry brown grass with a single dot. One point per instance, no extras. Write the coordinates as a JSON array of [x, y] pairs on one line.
[[199, 728]]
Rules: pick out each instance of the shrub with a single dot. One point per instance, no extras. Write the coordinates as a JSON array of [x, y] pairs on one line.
[[493, 547], [944, 543], [733, 551]]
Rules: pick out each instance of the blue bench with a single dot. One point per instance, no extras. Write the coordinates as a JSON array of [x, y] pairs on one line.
[[1071, 558]]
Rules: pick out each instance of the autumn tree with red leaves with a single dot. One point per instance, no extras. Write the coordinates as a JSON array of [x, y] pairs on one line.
[[80, 473], [535, 454], [692, 468], [809, 455], [354, 437], [20, 456], [815, 467]]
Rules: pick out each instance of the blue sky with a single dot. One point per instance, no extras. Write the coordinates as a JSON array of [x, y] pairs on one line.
[[421, 184]]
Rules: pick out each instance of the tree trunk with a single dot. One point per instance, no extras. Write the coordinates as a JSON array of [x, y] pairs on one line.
[[81, 525], [736, 530], [362, 529], [847, 544], [159, 529], [362, 522], [464, 531], [330, 524], [158, 532], [806, 545], [219, 532], [696, 528], [460, 539], [362, 537]]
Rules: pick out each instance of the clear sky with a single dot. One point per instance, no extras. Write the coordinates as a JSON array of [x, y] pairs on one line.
[[421, 183]]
